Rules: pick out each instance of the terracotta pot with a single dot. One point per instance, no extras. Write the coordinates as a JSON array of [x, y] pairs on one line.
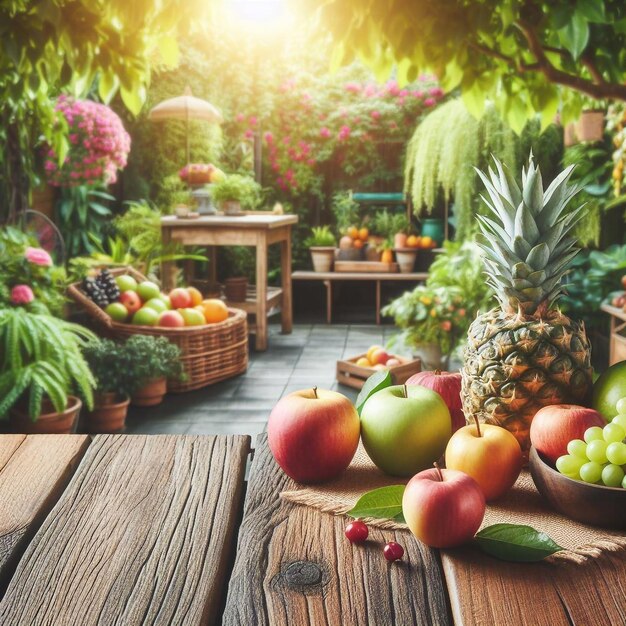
[[236, 288], [232, 207], [590, 126], [323, 258], [399, 240], [151, 393], [406, 259], [108, 414], [49, 422]]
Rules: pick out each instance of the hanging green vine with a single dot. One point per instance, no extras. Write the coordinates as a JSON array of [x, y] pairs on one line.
[[450, 143]]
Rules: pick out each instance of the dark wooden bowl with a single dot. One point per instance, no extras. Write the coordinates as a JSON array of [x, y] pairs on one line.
[[590, 504]]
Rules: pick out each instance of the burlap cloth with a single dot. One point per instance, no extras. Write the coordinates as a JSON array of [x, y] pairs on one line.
[[522, 505]]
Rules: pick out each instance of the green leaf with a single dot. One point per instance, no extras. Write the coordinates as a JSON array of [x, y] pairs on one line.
[[374, 383], [168, 47], [383, 503], [575, 35], [133, 99], [515, 542], [593, 10]]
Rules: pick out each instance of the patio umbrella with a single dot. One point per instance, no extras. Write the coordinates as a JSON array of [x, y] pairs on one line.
[[186, 107]]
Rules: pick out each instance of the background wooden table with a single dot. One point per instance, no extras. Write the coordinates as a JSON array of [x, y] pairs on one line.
[[259, 230], [138, 530], [618, 333]]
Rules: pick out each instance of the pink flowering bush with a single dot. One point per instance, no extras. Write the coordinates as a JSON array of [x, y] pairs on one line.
[[22, 294], [330, 121], [28, 276], [99, 145]]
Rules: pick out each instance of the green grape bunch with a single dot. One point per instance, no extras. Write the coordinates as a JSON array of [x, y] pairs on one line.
[[600, 457]]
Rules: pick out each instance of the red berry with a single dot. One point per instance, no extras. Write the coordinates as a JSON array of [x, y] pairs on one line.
[[393, 551], [356, 532]]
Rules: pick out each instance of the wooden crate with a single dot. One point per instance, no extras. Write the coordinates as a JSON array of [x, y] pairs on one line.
[[353, 375], [366, 266]]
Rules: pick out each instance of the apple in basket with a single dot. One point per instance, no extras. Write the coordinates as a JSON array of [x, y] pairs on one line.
[[171, 319], [180, 298], [313, 434], [131, 301]]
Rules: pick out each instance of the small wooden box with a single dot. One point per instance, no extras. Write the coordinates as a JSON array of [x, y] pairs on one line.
[[366, 266], [353, 375]]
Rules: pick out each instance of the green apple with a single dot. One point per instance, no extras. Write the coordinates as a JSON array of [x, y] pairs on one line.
[[167, 300], [148, 290], [117, 311], [126, 283], [145, 317], [158, 304], [405, 428], [192, 317], [609, 389]]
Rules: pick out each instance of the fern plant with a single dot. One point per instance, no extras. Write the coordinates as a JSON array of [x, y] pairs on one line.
[[321, 237], [41, 358]]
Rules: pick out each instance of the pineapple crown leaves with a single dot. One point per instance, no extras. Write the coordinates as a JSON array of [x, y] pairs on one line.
[[526, 239]]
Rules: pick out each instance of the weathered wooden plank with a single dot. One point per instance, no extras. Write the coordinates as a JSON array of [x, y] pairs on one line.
[[295, 566], [486, 591], [34, 470], [142, 535]]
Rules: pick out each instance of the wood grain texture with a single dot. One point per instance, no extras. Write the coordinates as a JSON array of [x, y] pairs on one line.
[[486, 591], [142, 535], [34, 470], [295, 566]]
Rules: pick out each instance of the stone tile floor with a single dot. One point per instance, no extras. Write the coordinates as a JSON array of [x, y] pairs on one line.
[[305, 358]]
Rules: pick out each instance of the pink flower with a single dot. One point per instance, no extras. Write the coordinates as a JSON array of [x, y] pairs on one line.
[[324, 132], [38, 256], [429, 102], [22, 294], [269, 138], [375, 114], [436, 92], [240, 117], [352, 87], [253, 120], [344, 132], [249, 134]]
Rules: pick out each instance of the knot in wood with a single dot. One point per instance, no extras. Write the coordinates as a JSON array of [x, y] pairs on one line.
[[303, 574]]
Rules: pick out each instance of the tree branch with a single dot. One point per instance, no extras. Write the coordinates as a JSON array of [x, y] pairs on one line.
[[599, 89]]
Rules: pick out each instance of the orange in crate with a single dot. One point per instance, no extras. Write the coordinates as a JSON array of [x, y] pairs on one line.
[[214, 311]]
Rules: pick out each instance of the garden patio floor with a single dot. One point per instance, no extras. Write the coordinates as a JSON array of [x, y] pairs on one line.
[[242, 405]]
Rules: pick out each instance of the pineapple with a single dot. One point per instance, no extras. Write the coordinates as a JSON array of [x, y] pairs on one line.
[[525, 354]]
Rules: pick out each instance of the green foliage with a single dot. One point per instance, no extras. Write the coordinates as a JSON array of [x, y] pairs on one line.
[[137, 242], [516, 53], [58, 45], [593, 174], [243, 189], [594, 275], [321, 237], [82, 217], [40, 357], [113, 366], [386, 224], [346, 211], [154, 357], [48, 283], [441, 310], [442, 155]]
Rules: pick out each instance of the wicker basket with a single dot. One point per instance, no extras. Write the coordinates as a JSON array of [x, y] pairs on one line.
[[209, 353]]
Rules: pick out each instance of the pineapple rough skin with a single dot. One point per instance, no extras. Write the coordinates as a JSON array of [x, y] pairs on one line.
[[517, 364]]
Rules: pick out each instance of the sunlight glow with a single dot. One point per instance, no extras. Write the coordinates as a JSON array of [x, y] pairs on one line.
[[260, 12]]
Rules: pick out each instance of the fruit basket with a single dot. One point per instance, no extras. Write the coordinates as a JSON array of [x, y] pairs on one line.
[[353, 375], [209, 353]]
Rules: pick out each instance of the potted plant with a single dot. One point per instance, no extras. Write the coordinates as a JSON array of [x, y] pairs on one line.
[[113, 367], [236, 192], [322, 244], [41, 367], [180, 202], [155, 360]]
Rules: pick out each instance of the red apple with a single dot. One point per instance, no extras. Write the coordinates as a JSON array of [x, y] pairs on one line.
[[491, 455], [180, 298], [171, 319], [131, 300], [379, 356], [313, 434], [554, 426], [443, 508], [624, 281], [448, 386]]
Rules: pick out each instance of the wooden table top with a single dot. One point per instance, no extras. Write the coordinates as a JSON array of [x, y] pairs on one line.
[[614, 311], [412, 276], [250, 220], [136, 530]]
